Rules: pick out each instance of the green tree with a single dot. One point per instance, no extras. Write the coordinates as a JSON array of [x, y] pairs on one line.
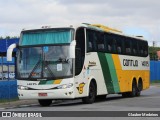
[[153, 52], [1, 37]]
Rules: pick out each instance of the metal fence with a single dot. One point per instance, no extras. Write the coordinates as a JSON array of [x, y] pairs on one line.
[[8, 89], [154, 70]]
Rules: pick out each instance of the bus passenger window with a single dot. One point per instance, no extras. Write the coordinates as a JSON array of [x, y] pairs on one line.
[[145, 48], [90, 46], [134, 47], [114, 43], [128, 50], [119, 44], [100, 43], [119, 49], [109, 48], [101, 47], [91, 41], [128, 47], [145, 52], [134, 51], [141, 51]]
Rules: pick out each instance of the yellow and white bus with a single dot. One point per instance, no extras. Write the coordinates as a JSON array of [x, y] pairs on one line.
[[84, 61]]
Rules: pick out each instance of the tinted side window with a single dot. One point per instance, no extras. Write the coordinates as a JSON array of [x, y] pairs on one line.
[[100, 42], [91, 41], [109, 43], [134, 47], [140, 48], [114, 43], [143, 48], [127, 46], [119, 44]]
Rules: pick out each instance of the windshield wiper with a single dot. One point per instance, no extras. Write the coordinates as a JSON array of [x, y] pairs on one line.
[[48, 68], [35, 67], [63, 60]]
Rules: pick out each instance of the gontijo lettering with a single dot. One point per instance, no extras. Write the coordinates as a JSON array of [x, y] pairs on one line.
[[129, 62]]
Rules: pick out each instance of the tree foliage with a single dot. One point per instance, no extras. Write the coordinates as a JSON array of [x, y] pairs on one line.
[[153, 52]]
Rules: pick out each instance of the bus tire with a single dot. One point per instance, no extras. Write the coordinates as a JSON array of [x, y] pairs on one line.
[[139, 87], [92, 94], [134, 89], [46, 102]]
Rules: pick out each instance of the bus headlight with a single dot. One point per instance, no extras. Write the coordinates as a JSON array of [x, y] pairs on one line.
[[22, 87], [65, 86]]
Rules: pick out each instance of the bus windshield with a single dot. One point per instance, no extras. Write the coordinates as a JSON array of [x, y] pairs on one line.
[[44, 62]]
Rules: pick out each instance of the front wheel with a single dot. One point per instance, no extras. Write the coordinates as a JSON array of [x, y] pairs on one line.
[[92, 94], [45, 102]]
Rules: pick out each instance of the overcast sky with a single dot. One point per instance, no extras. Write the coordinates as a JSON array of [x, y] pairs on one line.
[[137, 17]]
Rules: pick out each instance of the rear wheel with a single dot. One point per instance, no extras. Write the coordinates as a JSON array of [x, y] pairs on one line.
[[139, 88], [134, 90], [92, 94], [45, 102]]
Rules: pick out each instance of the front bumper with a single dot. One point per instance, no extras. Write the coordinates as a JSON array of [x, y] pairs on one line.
[[67, 93]]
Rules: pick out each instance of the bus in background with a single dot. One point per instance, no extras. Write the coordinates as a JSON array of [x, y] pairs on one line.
[[85, 61]]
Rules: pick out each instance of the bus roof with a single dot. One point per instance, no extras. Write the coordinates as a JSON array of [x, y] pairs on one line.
[[97, 27], [112, 30]]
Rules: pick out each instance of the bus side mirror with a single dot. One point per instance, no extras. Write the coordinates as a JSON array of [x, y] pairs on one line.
[[72, 49], [10, 51]]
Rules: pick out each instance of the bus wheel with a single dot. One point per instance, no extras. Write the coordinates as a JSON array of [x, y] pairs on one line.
[[139, 88], [47, 102], [134, 90], [92, 94]]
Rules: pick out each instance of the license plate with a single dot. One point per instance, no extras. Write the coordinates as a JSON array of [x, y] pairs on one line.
[[42, 94]]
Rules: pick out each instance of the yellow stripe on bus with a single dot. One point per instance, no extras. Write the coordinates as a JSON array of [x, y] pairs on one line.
[[125, 77], [118, 68], [57, 81]]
